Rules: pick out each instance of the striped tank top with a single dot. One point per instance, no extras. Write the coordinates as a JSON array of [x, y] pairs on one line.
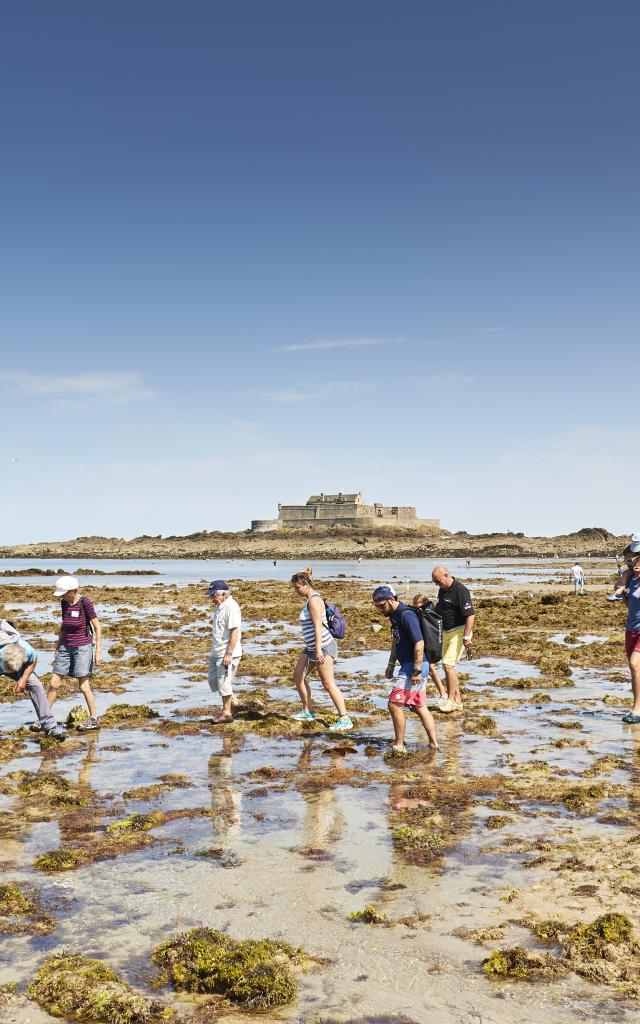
[[308, 628]]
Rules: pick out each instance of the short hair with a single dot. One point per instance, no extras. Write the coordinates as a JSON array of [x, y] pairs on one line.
[[13, 657]]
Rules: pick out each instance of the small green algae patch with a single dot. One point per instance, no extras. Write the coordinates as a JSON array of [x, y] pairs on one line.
[[482, 725], [369, 915], [116, 650], [78, 988], [555, 663], [166, 784], [254, 974], [518, 964], [65, 858], [134, 823], [121, 714], [76, 715], [495, 821], [21, 913], [582, 798]]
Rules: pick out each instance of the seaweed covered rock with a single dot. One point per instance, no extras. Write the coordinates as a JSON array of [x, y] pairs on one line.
[[65, 858], [255, 974], [119, 714], [593, 941], [134, 823], [76, 715], [116, 649], [555, 663], [520, 964], [481, 725], [87, 990], [21, 913], [369, 915]]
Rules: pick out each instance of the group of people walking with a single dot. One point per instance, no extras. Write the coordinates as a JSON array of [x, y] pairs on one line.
[[79, 648], [454, 606]]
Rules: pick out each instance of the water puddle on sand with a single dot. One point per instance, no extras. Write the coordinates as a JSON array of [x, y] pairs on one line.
[[303, 831]]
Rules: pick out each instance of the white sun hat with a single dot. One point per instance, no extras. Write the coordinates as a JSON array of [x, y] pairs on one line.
[[64, 585]]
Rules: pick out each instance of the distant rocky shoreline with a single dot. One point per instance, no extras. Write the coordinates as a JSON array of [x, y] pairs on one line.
[[337, 544]]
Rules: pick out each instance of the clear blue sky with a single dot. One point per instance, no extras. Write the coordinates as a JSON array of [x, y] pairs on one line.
[[254, 250]]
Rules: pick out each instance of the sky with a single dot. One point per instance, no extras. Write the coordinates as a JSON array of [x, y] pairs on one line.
[[251, 251]]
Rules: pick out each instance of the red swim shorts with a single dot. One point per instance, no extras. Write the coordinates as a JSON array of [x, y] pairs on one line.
[[409, 698], [632, 642]]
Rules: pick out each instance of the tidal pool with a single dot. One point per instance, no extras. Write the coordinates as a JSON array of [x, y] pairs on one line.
[[259, 829]]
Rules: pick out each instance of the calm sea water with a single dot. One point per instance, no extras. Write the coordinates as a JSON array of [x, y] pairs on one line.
[[184, 571]]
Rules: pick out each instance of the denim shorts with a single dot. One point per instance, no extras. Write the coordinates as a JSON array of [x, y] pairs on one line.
[[76, 662]]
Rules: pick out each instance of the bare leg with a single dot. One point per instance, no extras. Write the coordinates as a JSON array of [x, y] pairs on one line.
[[427, 720], [399, 722], [228, 705], [634, 665], [325, 671], [54, 686], [433, 672], [300, 681], [453, 684], [87, 693]]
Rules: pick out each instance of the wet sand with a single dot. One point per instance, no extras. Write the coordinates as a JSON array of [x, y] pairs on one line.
[[528, 813]]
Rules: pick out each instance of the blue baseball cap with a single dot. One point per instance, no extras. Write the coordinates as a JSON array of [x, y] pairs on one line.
[[216, 585], [384, 593]]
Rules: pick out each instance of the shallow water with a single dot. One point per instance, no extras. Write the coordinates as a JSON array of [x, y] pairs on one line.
[[398, 571]]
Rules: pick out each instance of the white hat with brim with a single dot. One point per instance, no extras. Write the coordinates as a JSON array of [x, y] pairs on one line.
[[64, 585]]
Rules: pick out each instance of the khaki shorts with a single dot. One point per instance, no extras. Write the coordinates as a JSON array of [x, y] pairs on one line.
[[452, 646], [221, 676]]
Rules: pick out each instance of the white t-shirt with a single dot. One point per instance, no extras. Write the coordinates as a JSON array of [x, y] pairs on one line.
[[577, 573], [225, 618]]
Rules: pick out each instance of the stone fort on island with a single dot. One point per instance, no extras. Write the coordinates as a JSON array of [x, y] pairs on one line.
[[343, 510]]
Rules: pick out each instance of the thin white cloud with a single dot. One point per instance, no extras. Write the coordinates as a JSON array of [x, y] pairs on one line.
[[493, 330], [115, 386], [348, 343], [441, 380], [309, 393]]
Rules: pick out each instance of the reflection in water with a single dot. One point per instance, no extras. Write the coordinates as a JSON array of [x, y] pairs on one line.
[[226, 794], [324, 822]]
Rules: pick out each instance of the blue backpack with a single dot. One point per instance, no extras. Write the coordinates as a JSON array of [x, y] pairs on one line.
[[335, 621]]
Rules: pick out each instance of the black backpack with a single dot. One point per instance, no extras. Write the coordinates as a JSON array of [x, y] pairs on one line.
[[431, 629]]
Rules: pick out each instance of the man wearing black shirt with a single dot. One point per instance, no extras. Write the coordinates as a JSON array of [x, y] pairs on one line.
[[455, 606]]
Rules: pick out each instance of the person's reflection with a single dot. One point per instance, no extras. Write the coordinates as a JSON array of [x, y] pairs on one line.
[[324, 822], [226, 795], [82, 821]]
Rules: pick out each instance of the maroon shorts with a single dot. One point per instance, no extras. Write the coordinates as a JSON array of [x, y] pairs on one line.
[[409, 698], [632, 642]]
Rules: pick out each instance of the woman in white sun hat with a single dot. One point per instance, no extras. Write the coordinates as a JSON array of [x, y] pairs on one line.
[[74, 653]]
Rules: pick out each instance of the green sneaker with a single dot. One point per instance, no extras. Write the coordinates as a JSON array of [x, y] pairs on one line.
[[343, 724], [304, 716]]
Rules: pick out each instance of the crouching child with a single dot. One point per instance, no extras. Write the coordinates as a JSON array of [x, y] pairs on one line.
[[18, 661], [407, 647]]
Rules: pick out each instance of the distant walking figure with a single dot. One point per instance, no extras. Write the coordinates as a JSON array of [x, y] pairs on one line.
[[321, 650], [577, 578]]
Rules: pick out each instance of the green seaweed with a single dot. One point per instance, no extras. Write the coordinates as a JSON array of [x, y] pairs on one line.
[[134, 823], [590, 941], [65, 858], [518, 964], [255, 974], [76, 715], [369, 915], [78, 988], [123, 713], [495, 821], [582, 798], [482, 725]]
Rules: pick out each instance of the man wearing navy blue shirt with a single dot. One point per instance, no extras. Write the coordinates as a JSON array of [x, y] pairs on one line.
[[407, 647]]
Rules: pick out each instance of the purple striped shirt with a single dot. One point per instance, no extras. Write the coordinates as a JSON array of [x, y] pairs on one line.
[[75, 622]]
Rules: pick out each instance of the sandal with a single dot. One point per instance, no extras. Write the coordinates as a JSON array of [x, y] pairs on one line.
[[224, 719]]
